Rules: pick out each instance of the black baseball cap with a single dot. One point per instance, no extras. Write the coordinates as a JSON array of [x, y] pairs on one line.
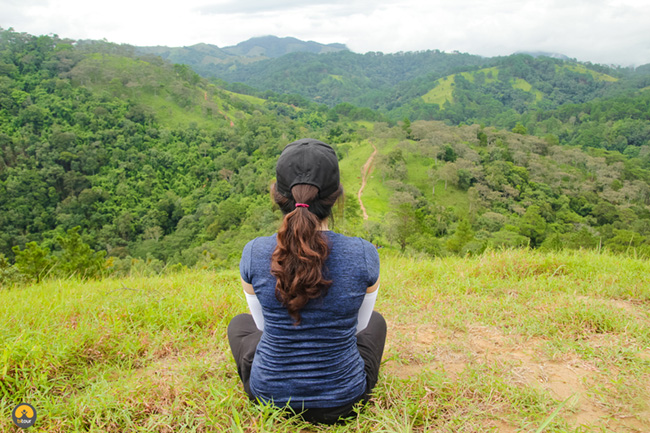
[[308, 161]]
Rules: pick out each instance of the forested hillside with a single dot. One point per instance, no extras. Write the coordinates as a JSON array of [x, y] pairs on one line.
[[366, 80], [146, 158], [203, 58], [113, 161], [427, 85], [510, 87]]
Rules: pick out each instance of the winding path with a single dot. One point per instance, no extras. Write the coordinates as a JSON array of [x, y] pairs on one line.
[[365, 172]]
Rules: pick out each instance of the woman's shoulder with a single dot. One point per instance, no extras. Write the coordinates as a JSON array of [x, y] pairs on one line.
[[347, 243], [351, 240], [261, 243], [348, 251]]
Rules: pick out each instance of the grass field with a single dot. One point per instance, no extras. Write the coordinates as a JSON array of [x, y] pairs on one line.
[[509, 341], [583, 70], [375, 193], [443, 89]]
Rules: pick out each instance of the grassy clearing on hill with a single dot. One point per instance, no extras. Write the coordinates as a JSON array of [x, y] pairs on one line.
[[350, 166], [248, 98], [161, 89], [583, 70], [500, 342], [375, 193], [441, 92], [444, 87]]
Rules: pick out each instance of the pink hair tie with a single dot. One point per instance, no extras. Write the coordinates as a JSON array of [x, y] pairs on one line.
[[302, 205]]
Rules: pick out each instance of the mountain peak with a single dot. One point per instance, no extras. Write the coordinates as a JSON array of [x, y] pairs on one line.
[[537, 54], [274, 46]]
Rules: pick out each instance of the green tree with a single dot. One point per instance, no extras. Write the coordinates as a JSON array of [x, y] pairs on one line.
[[449, 173], [533, 226], [552, 243], [463, 235], [8, 273], [482, 138], [426, 243], [402, 222], [406, 126], [520, 129], [77, 258], [34, 261], [625, 241]]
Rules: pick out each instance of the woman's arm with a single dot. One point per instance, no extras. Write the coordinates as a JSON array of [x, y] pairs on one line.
[[363, 316], [253, 305], [367, 306]]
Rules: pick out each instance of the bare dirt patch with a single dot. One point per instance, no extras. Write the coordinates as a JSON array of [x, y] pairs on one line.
[[365, 172], [632, 308], [429, 348]]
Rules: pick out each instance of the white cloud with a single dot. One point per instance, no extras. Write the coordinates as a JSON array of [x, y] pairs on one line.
[[601, 31]]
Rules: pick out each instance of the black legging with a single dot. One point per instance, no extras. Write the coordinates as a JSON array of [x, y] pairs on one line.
[[244, 336]]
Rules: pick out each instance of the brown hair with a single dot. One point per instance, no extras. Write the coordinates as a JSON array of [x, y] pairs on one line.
[[299, 257]]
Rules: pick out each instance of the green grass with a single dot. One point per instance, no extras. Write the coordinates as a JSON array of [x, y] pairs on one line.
[[583, 70], [160, 89], [375, 193], [418, 173], [350, 166], [519, 83], [444, 87], [507, 341], [169, 113], [442, 92], [248, 98], [370, 126]]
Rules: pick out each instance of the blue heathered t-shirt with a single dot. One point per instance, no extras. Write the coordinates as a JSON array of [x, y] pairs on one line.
[[315, 364]]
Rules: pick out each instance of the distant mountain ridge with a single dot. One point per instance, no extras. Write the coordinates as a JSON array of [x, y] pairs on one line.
[[199, 54], [537, 54], [425, 85], [273, 46], [254, 49]]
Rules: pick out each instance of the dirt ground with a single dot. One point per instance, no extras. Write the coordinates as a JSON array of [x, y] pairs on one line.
[[569, 378], [365, 172]]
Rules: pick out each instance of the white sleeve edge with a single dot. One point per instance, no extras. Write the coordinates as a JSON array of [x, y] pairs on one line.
[[256, 310], [365, 311]]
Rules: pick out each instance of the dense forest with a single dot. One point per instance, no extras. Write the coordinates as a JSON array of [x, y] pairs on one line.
[[366, 80], [115, 161], [427, 85], [138, 157], [580, 103]]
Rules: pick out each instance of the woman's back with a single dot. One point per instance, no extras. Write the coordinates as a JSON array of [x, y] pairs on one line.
[[312, 339], [315, 363]]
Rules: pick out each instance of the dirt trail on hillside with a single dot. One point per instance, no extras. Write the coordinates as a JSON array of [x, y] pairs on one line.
[[365, 172]]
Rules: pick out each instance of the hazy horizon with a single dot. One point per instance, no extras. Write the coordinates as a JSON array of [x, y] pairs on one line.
[[600, 31]]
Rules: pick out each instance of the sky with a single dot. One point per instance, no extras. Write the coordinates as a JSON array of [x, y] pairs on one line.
[[613, 32]]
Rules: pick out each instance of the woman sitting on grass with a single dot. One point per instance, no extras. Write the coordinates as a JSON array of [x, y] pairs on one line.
[[313, 341]]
